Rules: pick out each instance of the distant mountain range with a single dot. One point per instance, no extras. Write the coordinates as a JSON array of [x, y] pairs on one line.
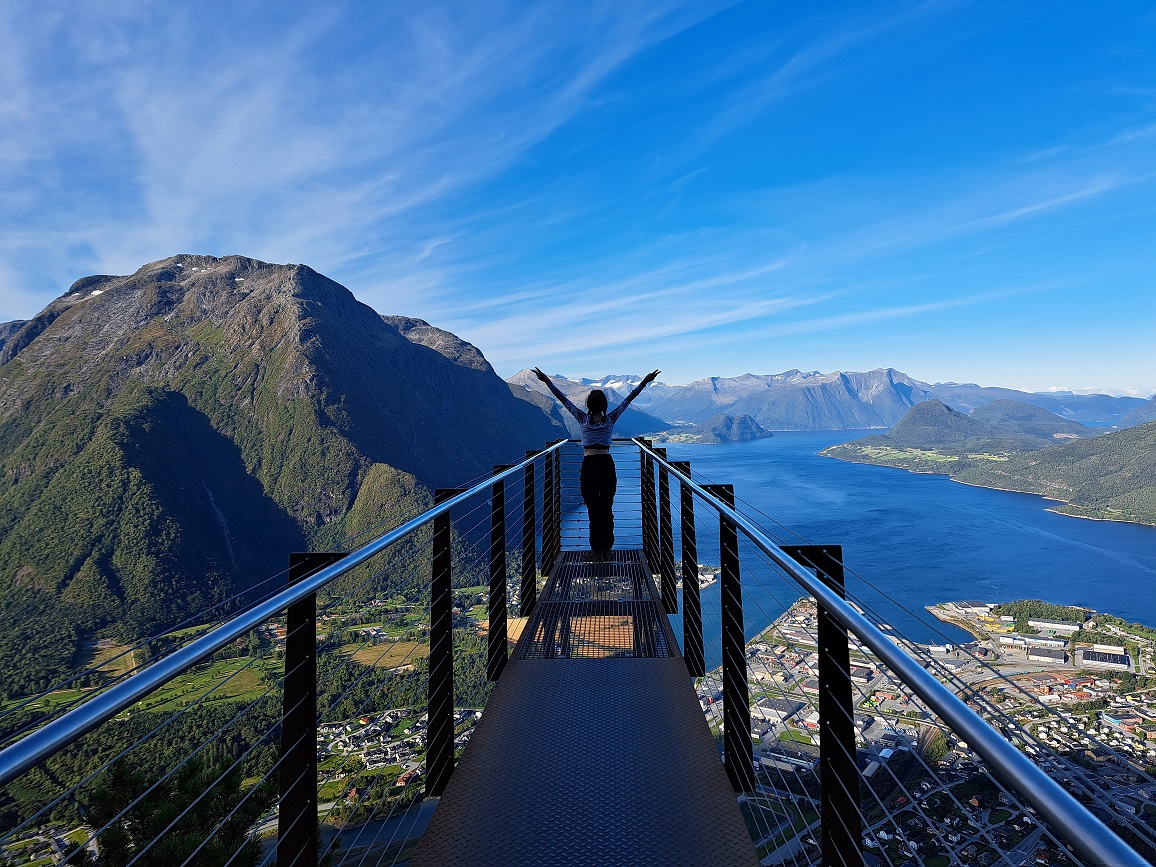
[[166, 438], [633, 422], [1016, 446], [795, 400]]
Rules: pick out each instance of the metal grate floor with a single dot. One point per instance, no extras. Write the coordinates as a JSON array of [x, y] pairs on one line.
[[595, 609], [580, 761]]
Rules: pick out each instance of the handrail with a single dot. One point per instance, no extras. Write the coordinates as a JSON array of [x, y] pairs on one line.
[[1081, 828], [44, 742]]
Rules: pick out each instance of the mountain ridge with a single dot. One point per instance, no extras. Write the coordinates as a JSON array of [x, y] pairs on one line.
[[148, 420], [840, 400]]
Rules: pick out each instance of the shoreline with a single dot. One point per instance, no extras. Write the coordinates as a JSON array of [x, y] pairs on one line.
[[1053, 510]]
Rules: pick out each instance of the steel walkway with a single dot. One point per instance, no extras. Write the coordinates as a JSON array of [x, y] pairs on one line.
[[593, 748]]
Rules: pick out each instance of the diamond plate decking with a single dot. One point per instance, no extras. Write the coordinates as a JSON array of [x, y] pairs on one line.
[[592, 748]]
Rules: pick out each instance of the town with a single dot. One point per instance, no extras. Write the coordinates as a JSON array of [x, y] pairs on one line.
[[1079, 710]]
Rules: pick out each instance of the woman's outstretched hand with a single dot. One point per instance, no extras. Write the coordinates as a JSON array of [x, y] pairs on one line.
[[545, 378], [650, 377]]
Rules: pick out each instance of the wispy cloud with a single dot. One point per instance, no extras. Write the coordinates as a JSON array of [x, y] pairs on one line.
[[228, 129]]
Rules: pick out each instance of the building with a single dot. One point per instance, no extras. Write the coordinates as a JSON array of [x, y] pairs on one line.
[[1100, 659], [778, 709], [1043, 641], [1066, 627], [973, 608], [1047, 654]]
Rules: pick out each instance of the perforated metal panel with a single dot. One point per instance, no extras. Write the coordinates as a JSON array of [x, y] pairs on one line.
[[580, 760], [596, 609]]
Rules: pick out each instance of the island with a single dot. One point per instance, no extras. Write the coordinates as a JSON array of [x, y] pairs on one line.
[[718, 429]]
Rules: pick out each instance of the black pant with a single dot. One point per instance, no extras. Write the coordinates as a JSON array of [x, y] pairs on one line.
[[599, 482]]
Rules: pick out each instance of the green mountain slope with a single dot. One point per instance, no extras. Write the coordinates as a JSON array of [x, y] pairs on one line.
[[166, 438], [1111, 476], [1014, 446]]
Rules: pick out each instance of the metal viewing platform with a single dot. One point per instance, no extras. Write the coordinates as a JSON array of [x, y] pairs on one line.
[[593, 748], [364, 707]]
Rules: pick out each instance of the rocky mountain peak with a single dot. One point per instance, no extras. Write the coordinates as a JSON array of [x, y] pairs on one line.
[[450, 345]]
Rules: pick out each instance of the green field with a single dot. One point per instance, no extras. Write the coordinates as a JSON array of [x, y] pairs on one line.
[[234, 679], [794, 736], [390, 655]]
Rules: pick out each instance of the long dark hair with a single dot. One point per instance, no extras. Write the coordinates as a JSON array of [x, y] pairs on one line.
[[596, 404]]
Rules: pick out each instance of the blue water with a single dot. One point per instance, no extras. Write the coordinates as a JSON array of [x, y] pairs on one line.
[[919, 539]]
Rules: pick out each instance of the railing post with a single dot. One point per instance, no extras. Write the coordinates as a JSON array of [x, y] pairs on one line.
[[666, 540], [649, 518], [692, 650], [440, 710], [842, 829], [496, 634], [528, 595], [297, 812], [736, 702], [548, 484], [556, 526]]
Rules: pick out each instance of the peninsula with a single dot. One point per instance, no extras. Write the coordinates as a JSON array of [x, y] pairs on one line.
[[1013, 446]]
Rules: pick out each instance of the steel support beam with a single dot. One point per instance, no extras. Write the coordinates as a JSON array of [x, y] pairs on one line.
[[496, 648], [297, 812], [666, 540], [649, 515], [842, 829], [549, 483], [528, 594], [736, 702], [556, 526], [692, 650], [440, 723]]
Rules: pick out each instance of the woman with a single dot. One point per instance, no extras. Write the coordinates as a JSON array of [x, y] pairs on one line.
[[598, 480]]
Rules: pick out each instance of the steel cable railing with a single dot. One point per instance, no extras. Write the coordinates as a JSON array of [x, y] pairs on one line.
[[915, 803], [1080, 828], [767, 617], [1079, 777], [353, 581], [371, 819]]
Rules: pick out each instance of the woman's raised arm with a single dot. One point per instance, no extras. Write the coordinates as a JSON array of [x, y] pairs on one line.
[[565, 401]]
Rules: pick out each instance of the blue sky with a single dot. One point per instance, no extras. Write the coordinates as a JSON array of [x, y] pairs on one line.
[[964, 191]]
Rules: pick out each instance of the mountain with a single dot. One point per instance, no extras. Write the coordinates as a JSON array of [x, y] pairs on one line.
[[7, 329], [795, 400], [167, 437], [994, 430], [631, 423], [1020, 447], [1111, 476], [721, 428], [1143, 413], [443, 342], [1088, 409], [1025, 419]]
